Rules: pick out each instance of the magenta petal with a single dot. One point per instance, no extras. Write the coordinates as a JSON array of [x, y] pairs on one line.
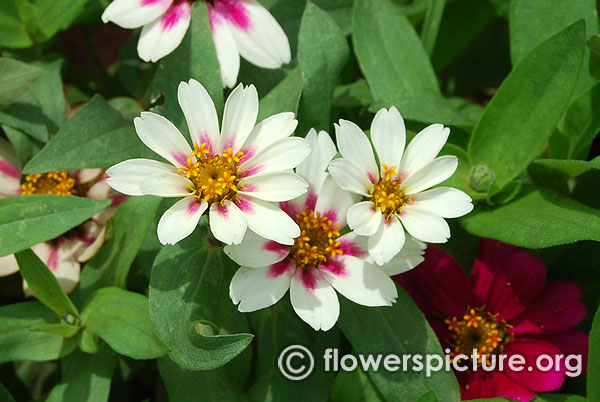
[[536, 379], [477, 385], [558, 309], [441, 281], [516, 285], [506, 387], [572, 342], [491, 256]]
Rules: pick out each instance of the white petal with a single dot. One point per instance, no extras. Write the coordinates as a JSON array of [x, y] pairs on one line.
[[269, 221], [164, 34], [366, 285], [200, 113], [88, 175], [283, 155], [166, 185], [8, 265], [388, 240], [227, 222], [61, 263], [446, 202], [225, 46], [334, 202], [355, 146], [10, 171], [315, 302], [349, 177], [314, 168], [90, 237], [409, 257], [423, 148], [260, 39], [179, 221], [239, 117], [389, 137], [281, 186], [425, 226], [161, 136], [364, 218], [255, 288], [134, 13], [126, 177], [431, 174], [268, 132], [256, 252]]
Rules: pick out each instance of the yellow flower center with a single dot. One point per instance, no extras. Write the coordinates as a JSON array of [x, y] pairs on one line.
[[215, 177], [317, 241], [480, 330], [388, 195], [58, 183]]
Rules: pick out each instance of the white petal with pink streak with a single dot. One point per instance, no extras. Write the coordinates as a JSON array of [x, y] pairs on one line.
[[60, 261], [364, 218], [10, 171], [389, 137], [282, 155], [349, 177], [409, 257], [388, 240], [269, 221], [314, 167], [355, 146], [179, 221], [200, 113], [314, 300], [256, 288], [239, 117], [268, 132], [166, 185], [161, 136], [134, 13], [334, 202], [225, 46], [161, 36], [423, 148], [256, 252], [227, 223], [126, 177], [276, 187]]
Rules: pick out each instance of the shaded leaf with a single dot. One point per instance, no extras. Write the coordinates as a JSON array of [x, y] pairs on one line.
[[15, 78]]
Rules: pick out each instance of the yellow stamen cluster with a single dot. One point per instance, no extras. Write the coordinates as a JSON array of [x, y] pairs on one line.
[[478, 329], [317, 241], [215, 177], [388, 195], [57, 183]]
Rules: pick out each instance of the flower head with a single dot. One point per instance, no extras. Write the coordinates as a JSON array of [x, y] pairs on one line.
[[235, 173], [321, 260], [504, 307], [395, 193]]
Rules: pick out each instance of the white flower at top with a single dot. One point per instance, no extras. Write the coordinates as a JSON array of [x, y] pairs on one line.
[[235, 173], [395, 193], [239, 27], [321, 261]]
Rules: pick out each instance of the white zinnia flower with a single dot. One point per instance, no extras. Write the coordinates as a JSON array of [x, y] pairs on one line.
[[239, 27], [236, 173], [394, 196], [321, 261]]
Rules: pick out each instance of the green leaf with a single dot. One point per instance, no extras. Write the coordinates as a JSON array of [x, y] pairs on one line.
[[83, 140], [121, 319], [25, 146], [285, 97], [44, 284], [88, 342], [428, 397], [32, 219], [460, 178], [190, 284], [111, 265], [322, 52], [55, 15], [61, 329], [12, 29], [558, 398], [355, 94], [18, 342], [15, 78], [194, 58], [593, 370], [431, 24], [5, 395], [399, 329], [536, 218], [353, 386], [570, 167], [40, 110], [520, 118], [85, 377]]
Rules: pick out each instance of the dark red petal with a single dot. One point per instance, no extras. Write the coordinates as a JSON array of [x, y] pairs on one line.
[[477, 385], [490, 257], [558, 309], [506, 387], [534, 379], [438, 283], [516, 285]]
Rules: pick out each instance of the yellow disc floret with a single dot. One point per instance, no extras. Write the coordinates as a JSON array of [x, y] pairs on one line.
[[317, 241], [57, 183], [215, 177], [388, 195]]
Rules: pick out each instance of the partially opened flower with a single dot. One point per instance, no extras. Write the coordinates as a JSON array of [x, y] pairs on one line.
[[504, 307], [321, 261], [395, 193], [235, 173], [64, 254], [239, 27]]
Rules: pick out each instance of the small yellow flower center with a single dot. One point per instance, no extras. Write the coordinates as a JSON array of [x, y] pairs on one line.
[[388, 195], [215, 177], [317, 241], [480, 330], [58, 183]]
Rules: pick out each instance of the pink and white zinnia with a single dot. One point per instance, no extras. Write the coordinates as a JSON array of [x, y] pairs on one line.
[[321, 261], [236, 173], [239, 27], [395, 194]]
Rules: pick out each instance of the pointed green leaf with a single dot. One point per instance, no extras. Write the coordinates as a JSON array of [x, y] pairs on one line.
[[15, 78], [285, 97], [61, 329]]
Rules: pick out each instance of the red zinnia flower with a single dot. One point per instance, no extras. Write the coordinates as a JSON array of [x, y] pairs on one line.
[[504, 307]]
